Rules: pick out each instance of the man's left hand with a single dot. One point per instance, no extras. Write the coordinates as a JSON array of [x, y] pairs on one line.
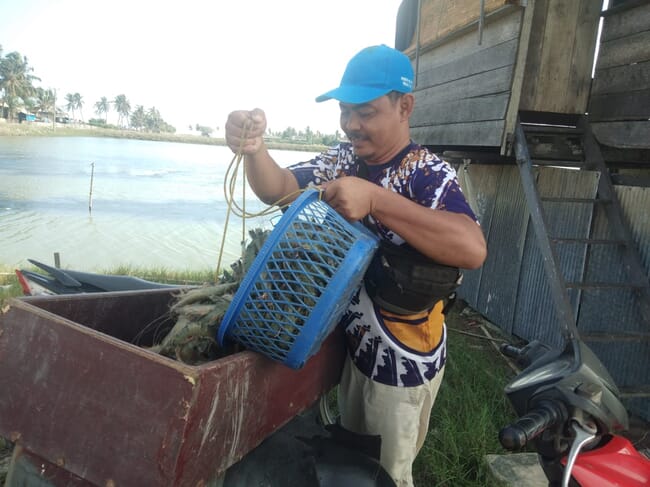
[[352, 197]]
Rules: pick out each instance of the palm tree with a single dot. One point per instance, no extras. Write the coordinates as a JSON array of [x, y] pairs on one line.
[[138, 118], [102, 107], [154, 120], [71, 105], [45, 101], [16, 80], [123, 108], [79, 104]]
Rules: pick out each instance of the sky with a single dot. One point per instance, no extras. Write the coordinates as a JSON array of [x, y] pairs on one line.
[[197, 60]]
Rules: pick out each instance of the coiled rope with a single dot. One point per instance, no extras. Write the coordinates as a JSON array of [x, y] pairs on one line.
[[229, 186]]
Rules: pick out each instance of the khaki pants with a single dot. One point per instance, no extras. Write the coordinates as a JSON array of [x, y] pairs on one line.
[[399, 414]]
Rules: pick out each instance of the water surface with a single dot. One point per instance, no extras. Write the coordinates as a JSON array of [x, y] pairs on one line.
[[154, 204]]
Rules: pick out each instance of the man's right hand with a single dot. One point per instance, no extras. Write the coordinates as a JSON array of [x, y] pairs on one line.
[[244, 131]]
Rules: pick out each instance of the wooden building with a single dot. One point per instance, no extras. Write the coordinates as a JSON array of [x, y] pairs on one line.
[[549, 127]]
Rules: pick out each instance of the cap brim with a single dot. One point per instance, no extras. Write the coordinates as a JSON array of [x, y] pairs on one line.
[[353, 94]]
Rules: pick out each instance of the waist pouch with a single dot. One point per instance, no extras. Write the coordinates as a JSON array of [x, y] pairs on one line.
[[403, 281]]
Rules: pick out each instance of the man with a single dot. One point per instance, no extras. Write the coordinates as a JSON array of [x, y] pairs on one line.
[[411, 199]]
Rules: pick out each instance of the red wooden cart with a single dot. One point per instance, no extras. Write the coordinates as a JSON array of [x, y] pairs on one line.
[[86, 403]]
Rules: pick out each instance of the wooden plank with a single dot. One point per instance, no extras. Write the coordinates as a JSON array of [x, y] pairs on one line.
[[625, 23], [626, 50], [626, 157], [497, 31], [517, 80], [439, 18], [460, 134], [632, 105], [90, 395], [623, 135], [621, 78], [490, 107], [476, 62], [558, 66], [487, 83]]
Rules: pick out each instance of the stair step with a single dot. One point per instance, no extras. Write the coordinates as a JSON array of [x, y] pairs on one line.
[[577, 164], [551, 129], [604, 285], [589, 241], [615, 337], [575, 200], [634, 391]]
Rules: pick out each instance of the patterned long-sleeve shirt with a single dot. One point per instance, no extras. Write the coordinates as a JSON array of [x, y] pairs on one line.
[[393, 349]]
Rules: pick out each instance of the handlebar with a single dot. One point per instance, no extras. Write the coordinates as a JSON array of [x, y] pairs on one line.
[[547, 413]]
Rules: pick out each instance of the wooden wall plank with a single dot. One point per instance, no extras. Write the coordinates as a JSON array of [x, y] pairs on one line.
[[490, 107], [486, 133], [621, 78], [630, 105], [487, 83], [439, 18], [560, 56], [625, 50], [623, 135], [497, 56], [625, 23], [497, 31]]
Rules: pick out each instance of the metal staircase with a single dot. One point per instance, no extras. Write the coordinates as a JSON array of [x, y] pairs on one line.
[[582, 152]]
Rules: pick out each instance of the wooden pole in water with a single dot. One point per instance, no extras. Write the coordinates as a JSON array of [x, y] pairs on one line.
[[90, 195]]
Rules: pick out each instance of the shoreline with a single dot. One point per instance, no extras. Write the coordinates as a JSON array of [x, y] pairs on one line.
[[32, 129]]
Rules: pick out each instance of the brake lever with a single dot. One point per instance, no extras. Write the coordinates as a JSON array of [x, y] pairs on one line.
[[584, 434]]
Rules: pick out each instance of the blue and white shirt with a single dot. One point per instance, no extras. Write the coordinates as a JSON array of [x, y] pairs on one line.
[[393, 349]]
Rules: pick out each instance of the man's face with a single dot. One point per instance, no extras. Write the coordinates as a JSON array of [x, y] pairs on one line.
[[373, 128]]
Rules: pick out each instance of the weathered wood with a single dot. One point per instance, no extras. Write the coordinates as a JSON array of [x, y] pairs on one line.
[[624, 135], [626, 23], [487, 133], [445, 51], [625, 50], [490, 107], [486, 83], [513, 111], [473, 63], [621, 78], [560, 56], [626, 157], [631, 105], [439, 18], [116, 414]]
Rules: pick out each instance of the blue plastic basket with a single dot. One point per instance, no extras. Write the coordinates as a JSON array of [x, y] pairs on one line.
[[300, 283]]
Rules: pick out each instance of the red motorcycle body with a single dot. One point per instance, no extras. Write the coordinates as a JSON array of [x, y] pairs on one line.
[[615, 464]]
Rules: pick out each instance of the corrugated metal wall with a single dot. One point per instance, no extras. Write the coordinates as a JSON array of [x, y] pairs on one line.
[[511, 289]]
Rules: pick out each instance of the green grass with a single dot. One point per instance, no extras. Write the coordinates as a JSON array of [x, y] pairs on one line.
[[468, 413], [9, 286]]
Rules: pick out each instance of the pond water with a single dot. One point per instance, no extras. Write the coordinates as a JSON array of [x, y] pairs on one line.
[[152, 204]]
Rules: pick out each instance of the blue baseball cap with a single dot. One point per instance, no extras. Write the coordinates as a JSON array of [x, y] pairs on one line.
[[371, 73]]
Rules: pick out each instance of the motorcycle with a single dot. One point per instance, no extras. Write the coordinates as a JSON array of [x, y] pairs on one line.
[[570, 414]]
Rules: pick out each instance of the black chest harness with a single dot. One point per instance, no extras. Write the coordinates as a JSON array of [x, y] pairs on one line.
[[402, 280]]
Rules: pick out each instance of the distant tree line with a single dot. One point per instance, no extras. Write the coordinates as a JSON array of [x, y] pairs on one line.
[[17, 92]]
